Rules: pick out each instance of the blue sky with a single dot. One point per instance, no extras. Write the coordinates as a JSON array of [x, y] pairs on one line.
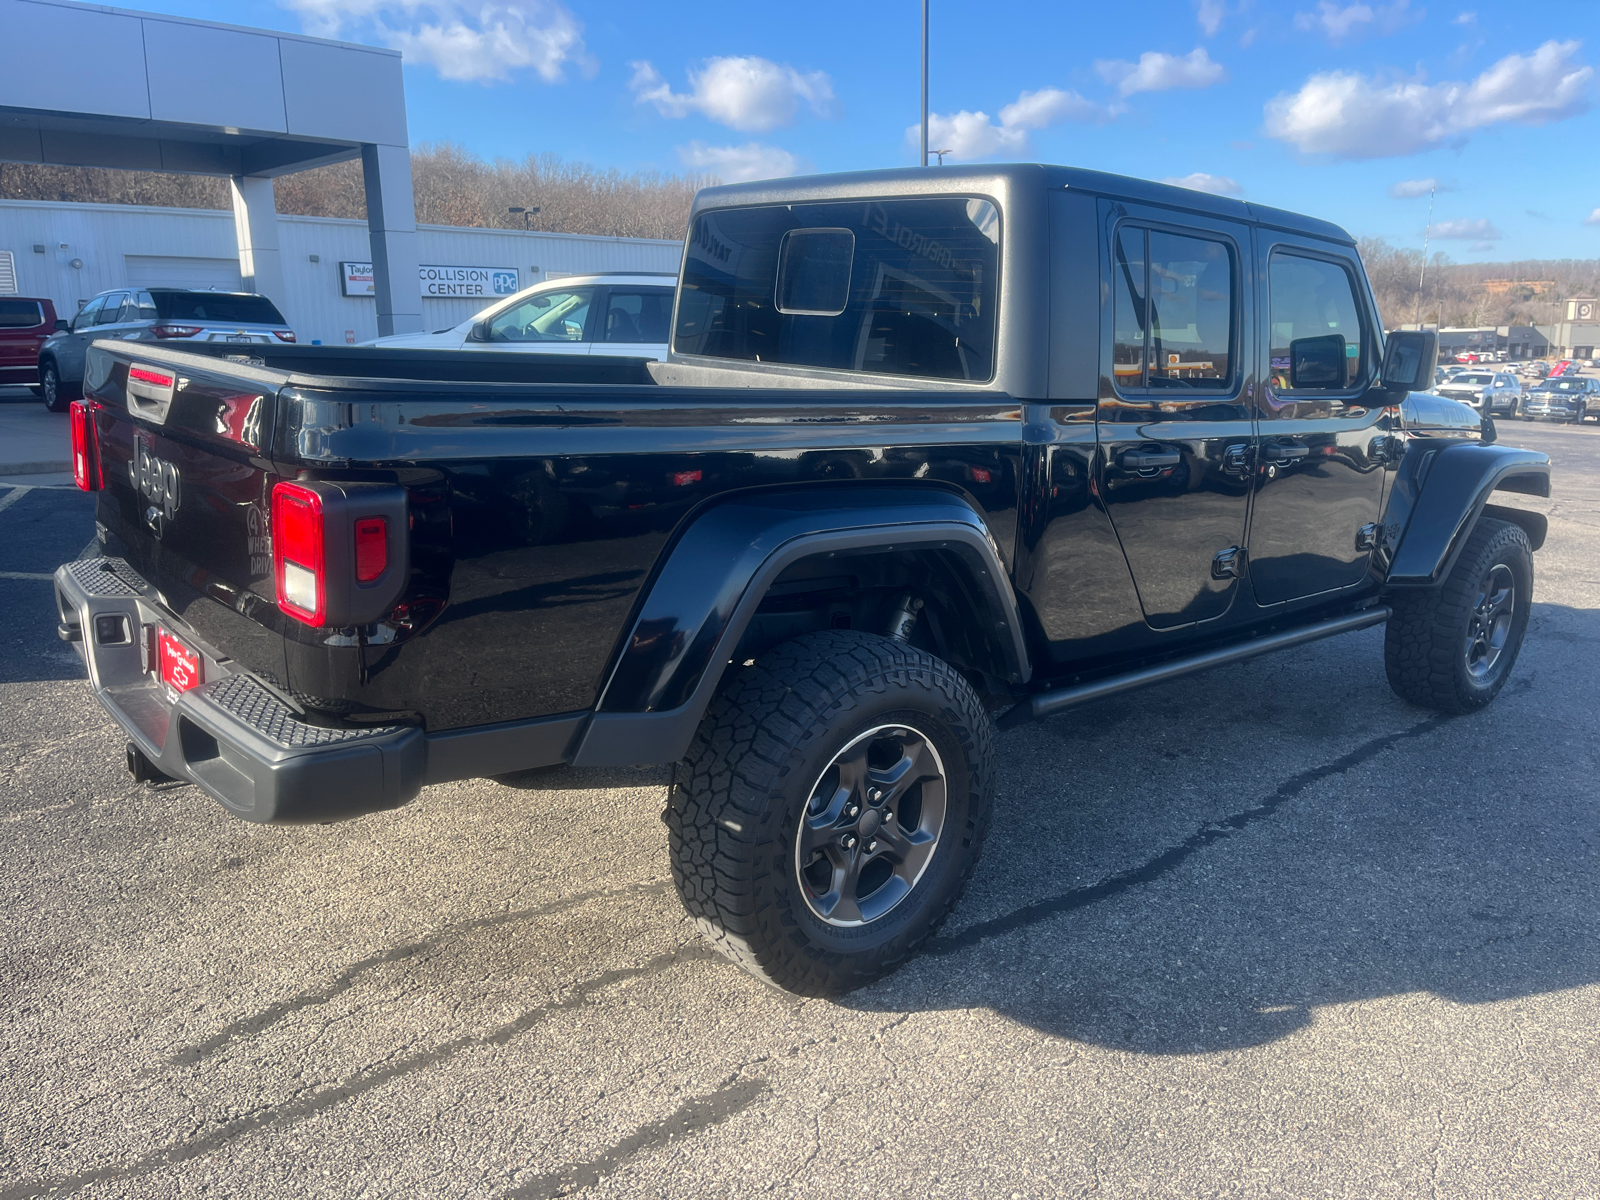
[[1332, 107]]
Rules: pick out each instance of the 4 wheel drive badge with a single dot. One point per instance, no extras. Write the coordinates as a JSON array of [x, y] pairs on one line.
[[157, 481]]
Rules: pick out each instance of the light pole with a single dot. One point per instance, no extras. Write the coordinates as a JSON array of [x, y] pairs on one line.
[[941, 154], [1427, 230], [924, 82], [526, 213]]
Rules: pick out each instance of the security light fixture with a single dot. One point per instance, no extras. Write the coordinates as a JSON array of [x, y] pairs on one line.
[[526, 213]]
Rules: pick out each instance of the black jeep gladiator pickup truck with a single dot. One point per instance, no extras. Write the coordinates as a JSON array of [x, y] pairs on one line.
[[934, 451]]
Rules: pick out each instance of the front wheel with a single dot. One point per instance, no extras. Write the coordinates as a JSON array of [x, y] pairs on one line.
[[50, 388], [831, 809], [1451, 648]]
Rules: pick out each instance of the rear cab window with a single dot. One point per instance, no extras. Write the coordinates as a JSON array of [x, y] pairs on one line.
[[889, 287]]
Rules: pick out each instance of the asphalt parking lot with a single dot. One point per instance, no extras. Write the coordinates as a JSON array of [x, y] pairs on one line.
[[1267, 931]]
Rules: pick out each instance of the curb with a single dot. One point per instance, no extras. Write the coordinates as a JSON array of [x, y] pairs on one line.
[[34, 468]]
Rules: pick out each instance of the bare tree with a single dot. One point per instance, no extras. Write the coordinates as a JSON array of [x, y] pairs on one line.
[[452, 187]]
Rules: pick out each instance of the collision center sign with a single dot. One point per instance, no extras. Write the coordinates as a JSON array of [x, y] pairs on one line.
[[440, 282]]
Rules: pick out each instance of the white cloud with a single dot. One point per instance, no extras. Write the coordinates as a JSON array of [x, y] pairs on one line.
[[1157, 72], [1410, 189], [737, 164], [1340, 22], [1481, 230], [1465, 18], [1210, 13], [1217, 185], [472, 43], [746, 93], [1357, 116], [1593, 218], [971, 135]]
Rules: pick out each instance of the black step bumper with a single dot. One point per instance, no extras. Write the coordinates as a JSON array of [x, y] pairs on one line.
[[232, 737]]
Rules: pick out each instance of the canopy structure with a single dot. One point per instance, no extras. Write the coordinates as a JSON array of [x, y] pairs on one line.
[[89, 86]]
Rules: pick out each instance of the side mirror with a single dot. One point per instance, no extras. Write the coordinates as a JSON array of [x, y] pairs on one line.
[[1317, 362], [60, 325], [1409, 357], [479, 332]]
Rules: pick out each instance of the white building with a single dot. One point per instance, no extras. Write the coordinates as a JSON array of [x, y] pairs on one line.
[[69, 252]]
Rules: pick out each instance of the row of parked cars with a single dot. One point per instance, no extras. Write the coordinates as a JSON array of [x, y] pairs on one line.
[[1565, 395], [610, 314]]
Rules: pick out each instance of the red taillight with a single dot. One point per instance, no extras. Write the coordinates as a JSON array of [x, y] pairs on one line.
[[283, 335], [174, 331], [85, 448], [372, 548], [297, 558], [685, 478]]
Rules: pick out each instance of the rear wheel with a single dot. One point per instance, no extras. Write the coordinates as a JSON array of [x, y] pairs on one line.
[[831, 809], [1451, 648]]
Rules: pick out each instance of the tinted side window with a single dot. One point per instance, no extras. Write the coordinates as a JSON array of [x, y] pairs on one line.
[[638, 316], [547, 317], [20, 314], [111, 310], [1174, 311], [87, 314], [895, 287], [1312, 298]]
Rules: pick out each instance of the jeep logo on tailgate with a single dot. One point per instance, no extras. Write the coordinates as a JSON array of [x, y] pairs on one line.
[[157, 480]]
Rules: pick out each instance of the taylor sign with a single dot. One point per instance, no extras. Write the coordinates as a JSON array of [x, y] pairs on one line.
[[441, 282]]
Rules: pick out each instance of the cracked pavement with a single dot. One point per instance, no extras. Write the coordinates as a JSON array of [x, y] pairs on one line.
[[1266, 931]]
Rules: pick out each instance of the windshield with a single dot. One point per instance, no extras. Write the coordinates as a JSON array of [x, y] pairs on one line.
[[1562, 385], [893, 287], [1470, 378], [229, 308]]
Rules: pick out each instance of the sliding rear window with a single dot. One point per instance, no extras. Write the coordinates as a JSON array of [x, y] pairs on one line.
[[889, 287]]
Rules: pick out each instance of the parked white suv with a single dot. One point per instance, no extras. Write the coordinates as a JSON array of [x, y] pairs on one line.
[[1487, 391], [617, 313]]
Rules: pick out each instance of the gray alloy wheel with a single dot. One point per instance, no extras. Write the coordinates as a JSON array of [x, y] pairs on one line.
[[871, 826], [1489, 626], [50, 389]]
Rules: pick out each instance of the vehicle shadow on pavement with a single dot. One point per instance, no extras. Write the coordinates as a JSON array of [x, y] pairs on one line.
[[1453, 857], [40, 528]]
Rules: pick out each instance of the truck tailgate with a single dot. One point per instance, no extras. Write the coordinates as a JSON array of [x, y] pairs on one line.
[[187, 491]]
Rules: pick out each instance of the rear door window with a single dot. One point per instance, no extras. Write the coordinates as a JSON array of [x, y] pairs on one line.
[[890, 287], [111, 311], [638, 316], [1174, 315], [20, 314]]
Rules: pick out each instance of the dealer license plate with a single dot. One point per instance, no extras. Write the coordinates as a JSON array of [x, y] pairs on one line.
[[179, 666], [240, 337]]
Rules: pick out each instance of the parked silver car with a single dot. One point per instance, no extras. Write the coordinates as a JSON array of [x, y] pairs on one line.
[[1495, 392], [1564, 398], [171, 316]]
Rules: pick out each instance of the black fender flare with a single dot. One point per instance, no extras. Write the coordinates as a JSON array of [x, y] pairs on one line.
[[713, 576], [1438, 496]]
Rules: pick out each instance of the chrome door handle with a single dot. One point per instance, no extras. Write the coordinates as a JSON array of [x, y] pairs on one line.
[[1142, 460]]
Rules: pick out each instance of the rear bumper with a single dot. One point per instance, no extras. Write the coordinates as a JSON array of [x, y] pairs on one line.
[[231, 737]]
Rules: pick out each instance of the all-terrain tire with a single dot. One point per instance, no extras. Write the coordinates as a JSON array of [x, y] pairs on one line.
[[742, 791], [1427, 648]]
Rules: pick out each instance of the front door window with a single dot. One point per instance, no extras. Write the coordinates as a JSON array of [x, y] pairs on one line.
[[547, 317]]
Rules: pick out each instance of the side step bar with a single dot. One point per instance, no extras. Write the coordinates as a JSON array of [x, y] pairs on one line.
[[1048, 703]]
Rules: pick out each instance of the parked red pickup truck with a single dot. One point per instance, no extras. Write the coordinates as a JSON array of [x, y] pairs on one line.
[[25, 322]]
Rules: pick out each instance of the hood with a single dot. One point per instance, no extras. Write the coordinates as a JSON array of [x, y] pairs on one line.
[[1422, 411]]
